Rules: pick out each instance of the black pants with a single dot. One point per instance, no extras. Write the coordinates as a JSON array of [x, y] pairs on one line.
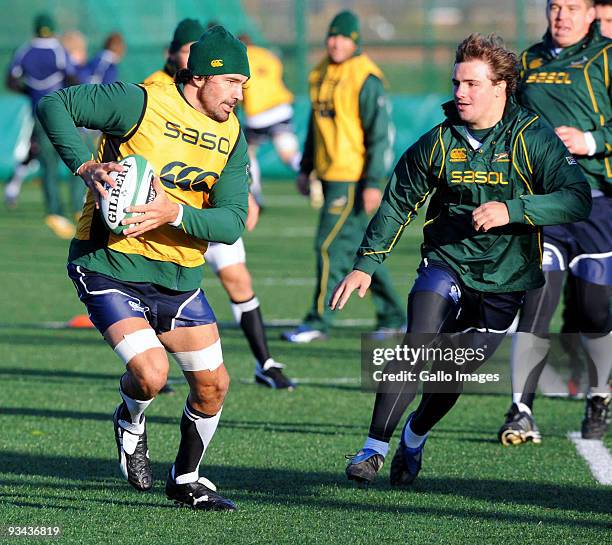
[[440, 303]]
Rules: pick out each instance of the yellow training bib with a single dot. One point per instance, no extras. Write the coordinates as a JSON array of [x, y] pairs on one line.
[[188, 151], [339, 150]]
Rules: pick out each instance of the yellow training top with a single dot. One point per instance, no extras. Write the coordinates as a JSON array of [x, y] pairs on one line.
[[188, 151], [265, 89], [159, 76]]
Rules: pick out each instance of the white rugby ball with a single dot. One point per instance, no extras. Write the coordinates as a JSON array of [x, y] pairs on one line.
[[133, 186]]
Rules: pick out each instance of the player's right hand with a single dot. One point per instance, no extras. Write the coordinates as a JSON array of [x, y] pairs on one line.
[[355, 280], [302, 182], [95, 175]]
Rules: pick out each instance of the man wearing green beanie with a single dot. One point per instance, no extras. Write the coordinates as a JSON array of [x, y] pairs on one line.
[[142, 287], [44, 25], [348, 147], [187, 32]]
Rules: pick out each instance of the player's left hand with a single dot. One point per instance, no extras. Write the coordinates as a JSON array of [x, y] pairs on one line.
[[355, 280], [573, 139], [252, 214], [489, 215], [371, 199], [158, 212]]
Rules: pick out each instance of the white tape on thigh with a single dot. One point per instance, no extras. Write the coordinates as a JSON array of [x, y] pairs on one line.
[[136, 343], [207, 359]]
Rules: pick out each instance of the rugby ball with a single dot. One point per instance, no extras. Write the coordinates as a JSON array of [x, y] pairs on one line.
[[133, 186]]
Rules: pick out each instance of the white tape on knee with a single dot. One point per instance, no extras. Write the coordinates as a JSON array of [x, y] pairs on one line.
[[136, 343], [207, 359]]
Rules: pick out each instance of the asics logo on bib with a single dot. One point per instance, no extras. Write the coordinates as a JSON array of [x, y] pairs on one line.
[[206, 140], [478, 177], [187, 178]]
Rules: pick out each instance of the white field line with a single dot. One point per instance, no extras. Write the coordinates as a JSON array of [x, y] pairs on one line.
[[596, 455]]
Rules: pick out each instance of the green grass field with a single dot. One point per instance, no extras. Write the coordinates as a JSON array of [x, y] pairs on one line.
[[279, 455]]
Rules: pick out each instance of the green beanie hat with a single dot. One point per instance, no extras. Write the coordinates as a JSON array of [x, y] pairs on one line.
[[218, 52], [44, 25], [346, 23], [188, 30]]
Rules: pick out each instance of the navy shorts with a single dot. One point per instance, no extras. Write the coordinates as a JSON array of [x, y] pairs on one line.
[[583, 248], [474, 310], [109, 300]]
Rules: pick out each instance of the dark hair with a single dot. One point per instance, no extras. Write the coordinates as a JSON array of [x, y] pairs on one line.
[[184, 75], [603, 2], [114, 42], [491, 49]]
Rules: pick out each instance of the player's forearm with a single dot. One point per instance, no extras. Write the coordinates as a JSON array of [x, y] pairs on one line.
[[113, 109], [377, 152], [380, 238], [404, 195], [62, 132], [215, 224], [567, 205], [375, 122]]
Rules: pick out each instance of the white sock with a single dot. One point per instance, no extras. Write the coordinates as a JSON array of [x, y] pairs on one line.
[[600, 352], [136, 408], [528, 351], [413, 440], [379, 446], [245, 306]]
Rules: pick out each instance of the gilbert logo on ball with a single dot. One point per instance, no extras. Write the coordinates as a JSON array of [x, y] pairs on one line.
[[133, 186]]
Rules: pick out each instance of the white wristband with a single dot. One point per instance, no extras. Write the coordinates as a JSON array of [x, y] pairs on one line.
[[179, 218], [591, 145], [76, 172]]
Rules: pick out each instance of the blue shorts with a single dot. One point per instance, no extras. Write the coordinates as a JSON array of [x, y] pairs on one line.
[[583, 248], [493, 312], [109, 300]]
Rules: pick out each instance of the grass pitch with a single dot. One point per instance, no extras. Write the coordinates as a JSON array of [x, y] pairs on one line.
[[279, 455]]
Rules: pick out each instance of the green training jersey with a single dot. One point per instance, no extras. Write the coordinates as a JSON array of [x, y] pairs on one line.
[[520, 162], [572, 88]]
